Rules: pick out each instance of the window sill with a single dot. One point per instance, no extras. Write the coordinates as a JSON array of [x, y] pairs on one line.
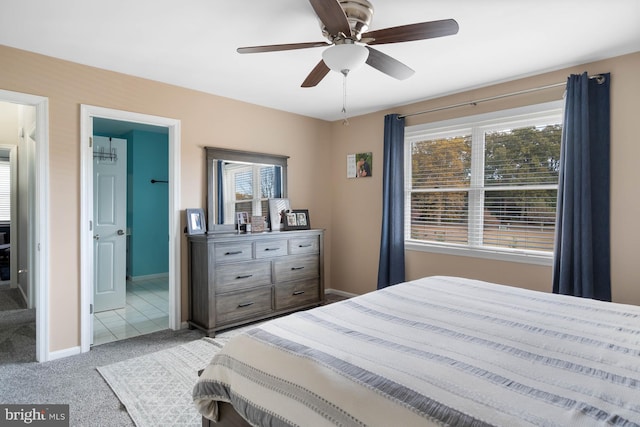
[[538, 258]]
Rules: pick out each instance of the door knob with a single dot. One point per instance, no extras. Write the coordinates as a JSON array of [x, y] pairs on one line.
[[120, 233], [96, 237]]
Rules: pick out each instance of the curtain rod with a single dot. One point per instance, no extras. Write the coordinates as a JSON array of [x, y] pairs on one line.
[[600, 79]]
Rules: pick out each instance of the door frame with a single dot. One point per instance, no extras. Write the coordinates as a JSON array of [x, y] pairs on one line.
[[87, 113], [40, 224]]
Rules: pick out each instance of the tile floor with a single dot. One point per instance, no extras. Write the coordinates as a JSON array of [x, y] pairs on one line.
[[146, 311]]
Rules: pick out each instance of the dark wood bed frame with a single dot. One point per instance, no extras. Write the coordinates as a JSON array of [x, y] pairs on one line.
[[227, 416]]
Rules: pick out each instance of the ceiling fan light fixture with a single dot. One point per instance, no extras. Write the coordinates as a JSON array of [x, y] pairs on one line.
[[345, 57]]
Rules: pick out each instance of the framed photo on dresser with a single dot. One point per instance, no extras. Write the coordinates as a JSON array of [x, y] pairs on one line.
[[277, 207], [196, 222], [297, 219]]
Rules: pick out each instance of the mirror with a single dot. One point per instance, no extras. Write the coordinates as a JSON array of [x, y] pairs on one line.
[[241, 181]]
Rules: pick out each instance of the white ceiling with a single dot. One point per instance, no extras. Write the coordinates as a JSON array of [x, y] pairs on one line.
[[192, 44]]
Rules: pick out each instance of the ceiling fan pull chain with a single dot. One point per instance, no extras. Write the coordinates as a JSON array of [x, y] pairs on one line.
[[345, 122]]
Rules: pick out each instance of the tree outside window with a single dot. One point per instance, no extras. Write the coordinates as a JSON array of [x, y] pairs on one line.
[[490, 186]]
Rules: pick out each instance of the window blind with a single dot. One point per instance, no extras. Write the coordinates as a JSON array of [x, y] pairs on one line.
[[485, 186], [253, 186], [5, 190]]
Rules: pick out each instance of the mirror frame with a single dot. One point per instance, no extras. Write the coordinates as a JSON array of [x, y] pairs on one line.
[[213, 154]]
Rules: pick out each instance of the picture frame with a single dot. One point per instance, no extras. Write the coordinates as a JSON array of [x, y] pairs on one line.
[[297, 219], [196, 223], [242, 218], [359, 165], [276, 207], [257, 224]]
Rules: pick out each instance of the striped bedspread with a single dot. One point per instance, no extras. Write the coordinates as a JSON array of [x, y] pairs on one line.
[[436, 351]]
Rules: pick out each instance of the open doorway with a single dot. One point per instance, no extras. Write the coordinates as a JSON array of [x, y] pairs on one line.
[[98, 126], [17, 310], [130, 225], [24, 248]]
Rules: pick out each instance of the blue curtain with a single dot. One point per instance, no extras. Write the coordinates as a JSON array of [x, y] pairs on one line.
[[391, 265], [220, 201], [582, 264]]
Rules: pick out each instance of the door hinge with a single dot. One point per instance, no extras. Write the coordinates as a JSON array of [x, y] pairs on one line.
[[90, 141], [90, 225], [90, 308]]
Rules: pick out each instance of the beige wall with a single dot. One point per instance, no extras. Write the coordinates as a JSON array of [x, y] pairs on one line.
[[357, 203], [9, 123], [206, 120], [350, 209]]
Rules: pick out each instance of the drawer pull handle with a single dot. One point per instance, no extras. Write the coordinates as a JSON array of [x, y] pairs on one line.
[[244, 277], [304, 246], [298, 292], [233, 253], [296, 268], [272, 249], [245, 304]]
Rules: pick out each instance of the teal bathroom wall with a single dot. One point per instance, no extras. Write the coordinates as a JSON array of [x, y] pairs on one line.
[[147, 204]]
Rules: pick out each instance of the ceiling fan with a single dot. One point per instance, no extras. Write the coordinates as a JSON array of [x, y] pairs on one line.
[[344, 25]]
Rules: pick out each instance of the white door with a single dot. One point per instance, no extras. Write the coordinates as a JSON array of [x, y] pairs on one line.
[[110, 222]]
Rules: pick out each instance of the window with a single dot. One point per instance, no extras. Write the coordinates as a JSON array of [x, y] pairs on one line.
[[251, 186], [485, 185], [5, 190]]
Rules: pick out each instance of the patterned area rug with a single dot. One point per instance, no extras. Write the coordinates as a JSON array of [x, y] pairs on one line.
[[156, 388]]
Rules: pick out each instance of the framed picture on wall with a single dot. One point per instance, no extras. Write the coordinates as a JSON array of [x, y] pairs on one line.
[[359, 165], [195, 221]]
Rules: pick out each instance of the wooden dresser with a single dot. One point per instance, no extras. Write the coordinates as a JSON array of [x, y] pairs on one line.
[[240, 278]]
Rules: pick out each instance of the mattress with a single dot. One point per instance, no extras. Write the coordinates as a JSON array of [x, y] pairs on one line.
[[435, 351]]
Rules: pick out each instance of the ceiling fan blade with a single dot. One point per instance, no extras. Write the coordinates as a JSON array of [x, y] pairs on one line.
[[332, 16], [411, 32], [316, 75], [278, 47], [392, 67]]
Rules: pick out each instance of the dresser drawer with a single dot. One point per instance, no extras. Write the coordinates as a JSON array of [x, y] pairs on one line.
[[234, 251], [296, 268], [293, 294], [240, 275], [271, 248], [243, 305], [304, 245]]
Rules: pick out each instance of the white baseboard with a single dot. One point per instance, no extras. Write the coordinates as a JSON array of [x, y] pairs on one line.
[[60, 354], [148, 277], [339, 292]]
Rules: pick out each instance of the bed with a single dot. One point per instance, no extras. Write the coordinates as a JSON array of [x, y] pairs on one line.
[[434, 351]]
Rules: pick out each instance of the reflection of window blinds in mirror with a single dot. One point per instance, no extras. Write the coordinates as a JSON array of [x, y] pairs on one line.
[[251, 186], [267, 178], [5, 190], [244, 184]]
